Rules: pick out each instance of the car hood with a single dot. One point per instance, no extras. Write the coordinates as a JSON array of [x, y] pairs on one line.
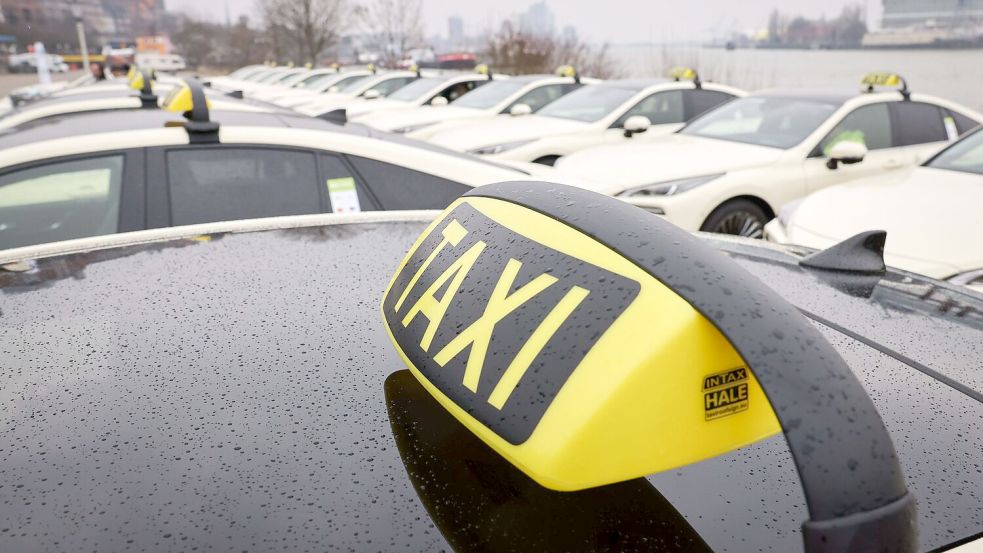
[[506, 129], [930, 216], [416, 116], [666, 158]]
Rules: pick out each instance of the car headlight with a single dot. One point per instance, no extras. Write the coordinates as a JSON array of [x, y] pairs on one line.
[[671, 187], [499, 148], [411, 128], [787, 210]]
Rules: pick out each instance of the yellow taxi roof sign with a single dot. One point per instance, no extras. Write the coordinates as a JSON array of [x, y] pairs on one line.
[[871, 80], [371, 67], [586, 354], [566, 71], [482, 69], [680, 73]]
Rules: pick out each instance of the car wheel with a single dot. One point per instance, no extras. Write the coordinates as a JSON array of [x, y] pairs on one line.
[[546, 160], [740, 217]]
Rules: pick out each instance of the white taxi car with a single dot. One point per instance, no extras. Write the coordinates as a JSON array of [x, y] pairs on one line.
[[931, 215], [375, 86], [613, 112], [312, 87], [516, 96], [141, 92], [438, 90], [87, 174], [732, 169]]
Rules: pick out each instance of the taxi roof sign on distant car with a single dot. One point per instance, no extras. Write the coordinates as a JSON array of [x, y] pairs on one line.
[[585, 356], [144, 80], [568, 71], [681, 73], [871, 80]]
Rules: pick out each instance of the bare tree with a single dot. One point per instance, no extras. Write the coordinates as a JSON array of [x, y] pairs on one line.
[[314, 25], [512, 51], [397, 25]]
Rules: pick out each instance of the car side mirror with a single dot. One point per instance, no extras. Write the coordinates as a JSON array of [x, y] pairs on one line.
[[439, 101], [372, 94], [636, 124], [519, 110], [846, 152]]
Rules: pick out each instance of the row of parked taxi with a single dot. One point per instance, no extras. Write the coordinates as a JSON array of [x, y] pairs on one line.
[[809, 167], [707, 156]]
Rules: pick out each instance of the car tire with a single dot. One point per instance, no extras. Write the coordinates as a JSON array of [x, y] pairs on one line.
[[739, 217]]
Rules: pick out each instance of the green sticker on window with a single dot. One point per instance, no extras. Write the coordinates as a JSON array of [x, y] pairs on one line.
[[344, 184], [343, 196]]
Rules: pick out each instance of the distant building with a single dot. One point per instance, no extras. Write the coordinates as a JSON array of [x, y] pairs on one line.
[[455, 30], [931, 13], [537, 20]]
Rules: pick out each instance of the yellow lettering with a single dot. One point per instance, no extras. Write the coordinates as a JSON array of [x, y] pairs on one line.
[[479, 333], [434, 309], [453, 233], [536, 342]]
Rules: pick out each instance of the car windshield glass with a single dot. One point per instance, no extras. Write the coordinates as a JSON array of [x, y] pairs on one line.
[[312, 81], [965, 155], [291, 78], [487, 96], [271, 77], [415, 90], [354, 85], [588, 104], [765, 121]]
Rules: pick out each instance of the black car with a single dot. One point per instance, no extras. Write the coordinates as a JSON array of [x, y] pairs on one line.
[[234, 388]]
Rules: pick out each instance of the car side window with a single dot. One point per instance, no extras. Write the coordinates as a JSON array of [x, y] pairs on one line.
[[225, 184], [60, 201], [401, 188], [345, 192], [700, 100], [869, 125], [918, 123], [661, 108], [962, 122], [456, 90], [540, 96]]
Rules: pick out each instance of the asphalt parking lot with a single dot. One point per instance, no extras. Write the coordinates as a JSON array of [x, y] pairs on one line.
[[10, 81]]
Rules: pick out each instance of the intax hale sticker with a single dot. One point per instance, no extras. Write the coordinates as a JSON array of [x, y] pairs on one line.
[[344, 197], [725, 393]]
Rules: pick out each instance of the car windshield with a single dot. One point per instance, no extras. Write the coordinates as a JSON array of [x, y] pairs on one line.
[[242, 72], [354, 85], [765, 121], [965, 155], [291, 78], [311, 81], [588, 104], [416, 89], [272, 77], [487, 96]]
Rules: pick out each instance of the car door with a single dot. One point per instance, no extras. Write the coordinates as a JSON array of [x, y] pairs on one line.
[[872, 125], [665, 111], [71, 197], [226, 182]]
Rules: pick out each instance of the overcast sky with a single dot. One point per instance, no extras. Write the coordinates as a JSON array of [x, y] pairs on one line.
[[597, 20]]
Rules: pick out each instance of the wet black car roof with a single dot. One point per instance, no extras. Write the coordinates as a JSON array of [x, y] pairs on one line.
[[240, 393]]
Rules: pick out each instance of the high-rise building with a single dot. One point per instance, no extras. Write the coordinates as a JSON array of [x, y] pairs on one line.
[[537, 19], [455, 29]]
